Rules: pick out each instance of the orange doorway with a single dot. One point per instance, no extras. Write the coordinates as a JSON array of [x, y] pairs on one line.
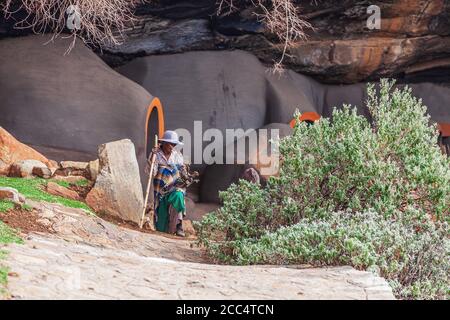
[[155, 124], [307, 116]]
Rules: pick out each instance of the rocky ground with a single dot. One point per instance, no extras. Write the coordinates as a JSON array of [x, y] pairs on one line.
[[86, 257]]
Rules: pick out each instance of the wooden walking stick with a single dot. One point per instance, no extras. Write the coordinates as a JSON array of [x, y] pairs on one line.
[[149, 184]]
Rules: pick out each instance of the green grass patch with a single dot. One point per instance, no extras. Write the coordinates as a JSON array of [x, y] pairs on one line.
[[3, 276], [3, 272], [27, 207], [64, 184], [34, 189], [80, 183], [8, 235], [6, 205], [3, 254]]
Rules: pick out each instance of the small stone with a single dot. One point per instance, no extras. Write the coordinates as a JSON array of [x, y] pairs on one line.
[[74, 165], [22, 198], [45, 222], [42, 172], [7, 193], [251, 175]]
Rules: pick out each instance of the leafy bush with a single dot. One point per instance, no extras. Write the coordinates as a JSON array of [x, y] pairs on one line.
[[408, 251], [389, 177]]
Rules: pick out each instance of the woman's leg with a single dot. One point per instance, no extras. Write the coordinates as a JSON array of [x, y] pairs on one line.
[[175, 220]]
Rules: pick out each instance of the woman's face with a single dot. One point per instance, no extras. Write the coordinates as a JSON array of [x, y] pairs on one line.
[[167, 148]]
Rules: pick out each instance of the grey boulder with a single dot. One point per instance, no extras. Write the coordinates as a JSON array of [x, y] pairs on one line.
[[118, 190]]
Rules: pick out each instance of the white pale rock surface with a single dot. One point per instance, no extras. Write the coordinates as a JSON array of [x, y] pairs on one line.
[[118, 188], [93, 168], [7, 193], [74, 165], [24, 168], [89, 258]]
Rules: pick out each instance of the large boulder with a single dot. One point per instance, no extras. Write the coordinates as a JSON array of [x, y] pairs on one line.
[[118, 190], [11, 151]]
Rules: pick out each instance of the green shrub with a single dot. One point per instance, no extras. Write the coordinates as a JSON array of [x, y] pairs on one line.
[[391, 166], [411, 252]]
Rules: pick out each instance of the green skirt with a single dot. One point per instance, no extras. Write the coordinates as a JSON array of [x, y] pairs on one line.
[[176, 200]]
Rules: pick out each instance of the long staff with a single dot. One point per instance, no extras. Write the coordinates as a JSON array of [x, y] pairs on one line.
[[150, 178]]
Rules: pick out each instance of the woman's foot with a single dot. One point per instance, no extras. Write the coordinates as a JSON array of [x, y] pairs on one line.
[[180, 231]]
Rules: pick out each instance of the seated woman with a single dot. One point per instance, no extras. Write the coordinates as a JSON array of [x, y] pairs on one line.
[[169, 203]]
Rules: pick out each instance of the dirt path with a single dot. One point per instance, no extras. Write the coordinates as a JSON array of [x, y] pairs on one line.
[[89, 258]]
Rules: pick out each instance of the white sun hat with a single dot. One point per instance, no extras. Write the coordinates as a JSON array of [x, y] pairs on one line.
[[171, 137]]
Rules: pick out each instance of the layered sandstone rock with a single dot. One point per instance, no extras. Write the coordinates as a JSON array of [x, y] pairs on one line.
[[413, 40], [57, 190], [414, 37]]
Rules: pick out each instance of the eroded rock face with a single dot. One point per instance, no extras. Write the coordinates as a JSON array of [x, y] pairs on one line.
[[414, 37], [118, 190], [350, 61], [413, 40]]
